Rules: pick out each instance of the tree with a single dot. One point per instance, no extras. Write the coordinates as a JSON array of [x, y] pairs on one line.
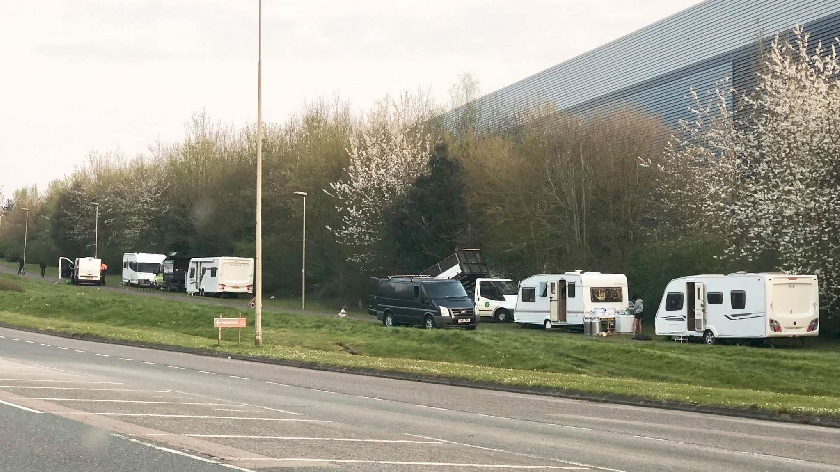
[[768, 181]]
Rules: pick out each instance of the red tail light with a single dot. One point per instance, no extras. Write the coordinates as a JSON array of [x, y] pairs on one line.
[[813, 325], [221, 286], [775, 326], [248, 288]]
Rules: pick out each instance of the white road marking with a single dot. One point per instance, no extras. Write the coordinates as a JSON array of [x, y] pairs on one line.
[[78, 350], [45, 387], [63, 348], [181, 453], [141, 402], [204, 417], [420, 464], [302, 438], [519, 454], [20, 407], [147, 362], [60, 381], [30, 342], [203, 372], [15, 339]]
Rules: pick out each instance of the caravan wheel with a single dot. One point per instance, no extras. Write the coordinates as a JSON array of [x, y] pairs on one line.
[[709, 337]]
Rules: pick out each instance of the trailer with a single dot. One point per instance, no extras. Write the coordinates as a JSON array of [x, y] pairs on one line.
[[87, 270], [140, 269], [175, 273], [493, 297], [740, 306], [550, 300], [220, 276]]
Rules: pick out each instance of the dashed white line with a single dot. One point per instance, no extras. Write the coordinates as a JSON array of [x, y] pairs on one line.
[[147, 362], [29, 342], [304, 438], [61, 381], [140, 402], [20, 407], [412, 463], [78, 350], [15, 339], [181, 453], [204, 417]]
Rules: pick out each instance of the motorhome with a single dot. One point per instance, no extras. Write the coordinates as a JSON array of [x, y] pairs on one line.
[[551, 300], [87, 270], [423, 301], [220, 276], [493, 297], [740, 306], [140, 268]]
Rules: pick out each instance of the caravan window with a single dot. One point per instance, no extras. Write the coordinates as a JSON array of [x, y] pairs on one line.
[[133, 266], [674, 301], [213, 272], [738, 298], [125, 264], [570, 290], [606, 294], [543, 289], [714, 298], [192, 272], [529, 294]]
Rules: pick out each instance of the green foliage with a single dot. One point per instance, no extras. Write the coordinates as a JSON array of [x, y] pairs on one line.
[[10, 286]]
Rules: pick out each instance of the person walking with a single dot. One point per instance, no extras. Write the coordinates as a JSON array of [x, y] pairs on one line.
[[21, 267], [102, 269], [638, 307], [43, 269]]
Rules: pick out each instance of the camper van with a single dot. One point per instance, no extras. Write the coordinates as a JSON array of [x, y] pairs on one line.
[[140, 268], [740, 306], [423, 301], [220, 276], [550, 300], [87, 270]]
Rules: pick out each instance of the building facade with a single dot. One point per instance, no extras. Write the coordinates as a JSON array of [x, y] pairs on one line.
[[654, 69]]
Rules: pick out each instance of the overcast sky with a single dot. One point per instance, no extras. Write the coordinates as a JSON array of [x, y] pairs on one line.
[[87, 75]]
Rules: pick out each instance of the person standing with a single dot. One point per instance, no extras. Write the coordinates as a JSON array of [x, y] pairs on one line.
[[43, 269], [102, 269], [638, 308]]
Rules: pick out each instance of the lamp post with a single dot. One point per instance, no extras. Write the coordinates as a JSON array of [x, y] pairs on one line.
[[303, 256], [258, 255], [25, 234], [96, 230]]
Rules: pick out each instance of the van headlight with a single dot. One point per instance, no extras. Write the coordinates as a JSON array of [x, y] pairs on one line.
[[445, 311]]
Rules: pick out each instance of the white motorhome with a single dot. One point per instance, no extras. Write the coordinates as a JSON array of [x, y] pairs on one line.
[[495, 298], [740, 306], [567, 299], [87, 270], [220, 276], [140, 268]]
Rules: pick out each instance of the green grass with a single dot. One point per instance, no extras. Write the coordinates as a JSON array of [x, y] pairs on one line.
[[782, 380]]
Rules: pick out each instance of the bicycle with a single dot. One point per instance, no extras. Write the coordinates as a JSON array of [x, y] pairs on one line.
[[22, 271]]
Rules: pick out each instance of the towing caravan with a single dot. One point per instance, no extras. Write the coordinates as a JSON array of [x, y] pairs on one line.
[[219, 276], [140, 268], [740, 306], [550, 300]]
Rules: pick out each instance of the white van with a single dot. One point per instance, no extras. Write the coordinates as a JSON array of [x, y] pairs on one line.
[[140, 268], [495, 298], [740, 306], [567, 299], [87, 270], [220, 276]]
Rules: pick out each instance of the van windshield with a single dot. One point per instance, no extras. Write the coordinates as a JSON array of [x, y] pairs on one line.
[[445, 290], [148, 267]]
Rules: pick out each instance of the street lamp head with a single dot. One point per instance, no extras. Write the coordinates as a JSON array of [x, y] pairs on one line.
[[302, 194], [24, 209]]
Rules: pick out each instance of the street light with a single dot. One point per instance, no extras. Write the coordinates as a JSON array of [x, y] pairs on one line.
[[258, 262], [25, 234], [96, 226], [303, 258]]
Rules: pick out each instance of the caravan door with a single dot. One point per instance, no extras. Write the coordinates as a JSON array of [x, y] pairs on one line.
[[192, 278], [696, 309], [557, 300]]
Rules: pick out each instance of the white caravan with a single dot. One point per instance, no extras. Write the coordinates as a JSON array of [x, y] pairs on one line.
[[87, 270], [495, 298], [740, 306], [220, 276], [567, 299], [140, 268]]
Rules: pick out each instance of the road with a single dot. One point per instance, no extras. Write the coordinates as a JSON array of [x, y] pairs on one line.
[[75, 405]]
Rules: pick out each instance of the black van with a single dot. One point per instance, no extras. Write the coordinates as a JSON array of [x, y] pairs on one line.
[[423, 301]]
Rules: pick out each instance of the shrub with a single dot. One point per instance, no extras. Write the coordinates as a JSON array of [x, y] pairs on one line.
[[10, 286]]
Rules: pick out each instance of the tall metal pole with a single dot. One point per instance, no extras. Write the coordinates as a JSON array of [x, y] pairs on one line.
[[303, 261], [258, 283], [96, 243], [25, 234]]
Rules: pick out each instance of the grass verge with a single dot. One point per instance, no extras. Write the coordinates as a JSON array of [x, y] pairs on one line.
[[800, 381]]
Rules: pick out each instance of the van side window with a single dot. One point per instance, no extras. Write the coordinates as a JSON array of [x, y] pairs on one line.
[[571, 290], [125, 265], [529, 294], [192, 272], [543, 289], [714, 298], [738, 298], [416, 291], [674, 301]]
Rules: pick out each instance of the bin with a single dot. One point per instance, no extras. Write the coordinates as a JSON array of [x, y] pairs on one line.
[[624, 324], [594, 326]]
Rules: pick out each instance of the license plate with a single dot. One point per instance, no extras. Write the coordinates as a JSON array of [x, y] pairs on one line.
[[464, 320]]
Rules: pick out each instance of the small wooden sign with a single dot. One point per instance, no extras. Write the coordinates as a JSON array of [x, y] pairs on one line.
[[223, 322]]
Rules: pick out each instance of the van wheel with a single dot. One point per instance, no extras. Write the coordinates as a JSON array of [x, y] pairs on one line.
[[709, 337], [388, 320], [429, 322], [502, 316], [547, 324]]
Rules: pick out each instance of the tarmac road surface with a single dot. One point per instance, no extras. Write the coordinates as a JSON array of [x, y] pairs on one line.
[[75, 405]]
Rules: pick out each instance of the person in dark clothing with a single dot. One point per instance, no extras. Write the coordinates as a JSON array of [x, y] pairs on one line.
[[21, 268], [43, 269]]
